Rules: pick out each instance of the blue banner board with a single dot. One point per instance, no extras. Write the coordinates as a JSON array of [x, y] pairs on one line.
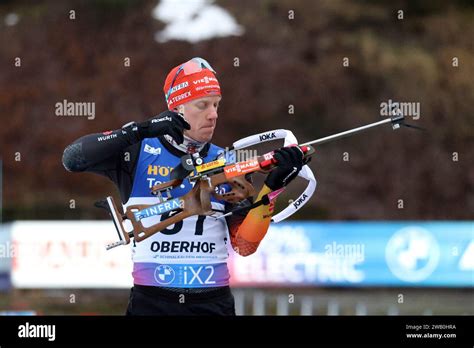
[[439, 254]]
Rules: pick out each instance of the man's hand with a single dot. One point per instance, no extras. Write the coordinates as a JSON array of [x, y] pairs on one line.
[[167, 122], [289, 163]]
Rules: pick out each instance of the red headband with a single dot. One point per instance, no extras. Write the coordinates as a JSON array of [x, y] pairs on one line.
[[189, 87]]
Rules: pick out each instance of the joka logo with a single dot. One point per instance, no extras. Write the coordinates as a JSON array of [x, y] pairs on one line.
[[300, 201], [267, 136], [164, 274]]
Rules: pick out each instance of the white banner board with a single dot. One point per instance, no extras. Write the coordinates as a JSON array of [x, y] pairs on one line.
[[68, 254]]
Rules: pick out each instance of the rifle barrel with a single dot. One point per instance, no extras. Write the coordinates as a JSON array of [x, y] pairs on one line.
[[352, 131]]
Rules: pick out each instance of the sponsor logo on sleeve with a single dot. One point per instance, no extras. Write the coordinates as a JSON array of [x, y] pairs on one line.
[[152, 150]]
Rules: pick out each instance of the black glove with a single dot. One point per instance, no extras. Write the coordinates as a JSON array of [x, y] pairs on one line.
[[289, 163], [167, 122]]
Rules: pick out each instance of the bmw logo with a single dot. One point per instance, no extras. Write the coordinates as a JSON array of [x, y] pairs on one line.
[[412, 254], [164, 274]]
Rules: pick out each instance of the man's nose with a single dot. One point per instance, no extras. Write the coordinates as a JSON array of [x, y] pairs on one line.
[[212, 115]]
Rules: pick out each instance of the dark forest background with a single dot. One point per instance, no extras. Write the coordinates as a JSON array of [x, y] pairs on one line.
[[282, 62]]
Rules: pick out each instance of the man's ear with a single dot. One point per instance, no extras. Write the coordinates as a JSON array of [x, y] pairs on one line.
[[179, 109]]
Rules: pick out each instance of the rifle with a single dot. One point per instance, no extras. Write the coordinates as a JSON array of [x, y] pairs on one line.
[[206, 177]]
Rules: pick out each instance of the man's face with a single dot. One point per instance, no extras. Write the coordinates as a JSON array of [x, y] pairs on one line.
[[201, 114]]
